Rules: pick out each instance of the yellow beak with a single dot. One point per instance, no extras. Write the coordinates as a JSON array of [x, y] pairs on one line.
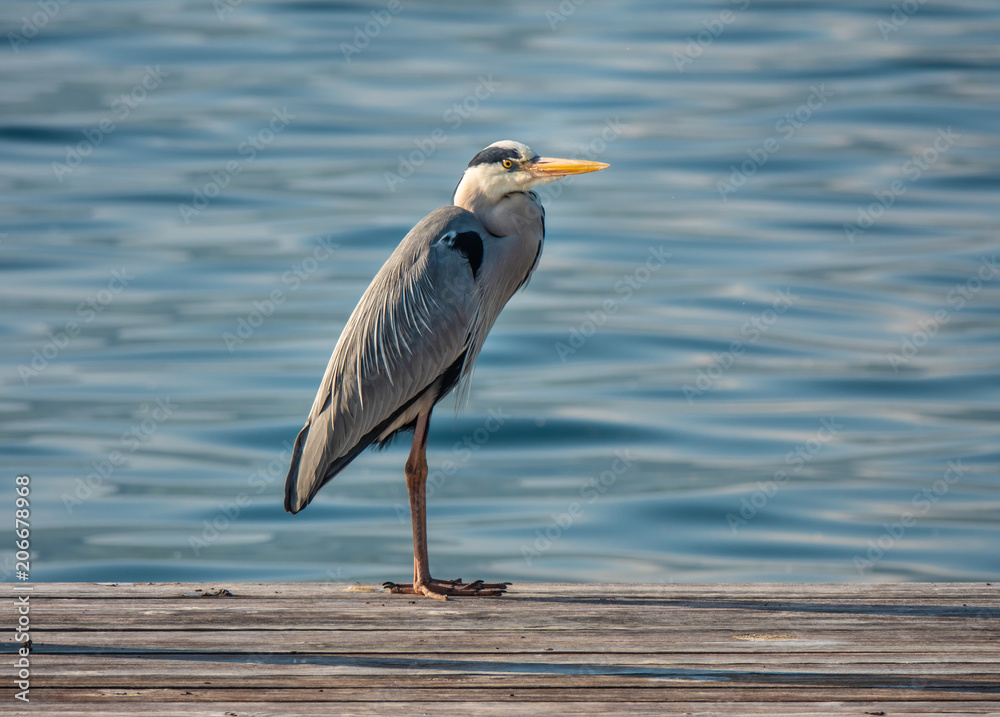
[[549, 167]]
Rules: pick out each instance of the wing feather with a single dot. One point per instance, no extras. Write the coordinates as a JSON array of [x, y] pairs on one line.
[[410, 327]]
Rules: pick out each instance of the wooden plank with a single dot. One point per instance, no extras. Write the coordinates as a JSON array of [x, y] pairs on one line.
[[978, 685], [563, 591], [584, 649], [514, 708], [764, 692], [742, 626], [558, 670], [958, 640], [311, 611], [238, 665]]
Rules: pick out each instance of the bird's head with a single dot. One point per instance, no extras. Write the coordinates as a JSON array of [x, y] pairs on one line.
[[507, 166]]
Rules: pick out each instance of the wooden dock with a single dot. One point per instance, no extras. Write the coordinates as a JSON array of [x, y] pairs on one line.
[[335, 649]]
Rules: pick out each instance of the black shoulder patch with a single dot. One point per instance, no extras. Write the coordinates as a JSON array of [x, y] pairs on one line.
[[494, 155], [469, 245]]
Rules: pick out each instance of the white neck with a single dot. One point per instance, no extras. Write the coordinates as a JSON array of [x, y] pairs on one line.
[[501, 203]]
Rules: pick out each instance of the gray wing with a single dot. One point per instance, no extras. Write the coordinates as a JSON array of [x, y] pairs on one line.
[[406, 343]]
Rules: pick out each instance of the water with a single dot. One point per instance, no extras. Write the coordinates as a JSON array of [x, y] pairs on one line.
[[710, 376]]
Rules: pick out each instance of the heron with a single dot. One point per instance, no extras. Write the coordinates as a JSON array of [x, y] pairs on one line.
[[418, 329]]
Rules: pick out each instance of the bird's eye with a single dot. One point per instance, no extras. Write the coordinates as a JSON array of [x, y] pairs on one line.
[[507, 164]]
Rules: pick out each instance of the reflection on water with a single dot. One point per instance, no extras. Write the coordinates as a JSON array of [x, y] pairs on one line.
[[762, 346]]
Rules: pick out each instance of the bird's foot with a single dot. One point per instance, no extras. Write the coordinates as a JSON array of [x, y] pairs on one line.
[[441, 589]]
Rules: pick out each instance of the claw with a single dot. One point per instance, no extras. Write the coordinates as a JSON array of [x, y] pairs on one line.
[[441, 589]]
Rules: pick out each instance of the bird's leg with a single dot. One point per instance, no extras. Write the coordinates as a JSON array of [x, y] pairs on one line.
[[416, 484]]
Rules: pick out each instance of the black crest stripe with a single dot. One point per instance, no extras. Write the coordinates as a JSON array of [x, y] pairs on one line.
[[492, 155]]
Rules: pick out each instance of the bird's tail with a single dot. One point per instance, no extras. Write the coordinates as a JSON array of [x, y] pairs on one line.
[[293, 501], [315, 463]]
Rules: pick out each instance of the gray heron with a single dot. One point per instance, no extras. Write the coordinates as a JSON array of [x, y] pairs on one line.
[[418, 329]]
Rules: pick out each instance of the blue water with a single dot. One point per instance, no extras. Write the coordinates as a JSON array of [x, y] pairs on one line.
[[763, 345]]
